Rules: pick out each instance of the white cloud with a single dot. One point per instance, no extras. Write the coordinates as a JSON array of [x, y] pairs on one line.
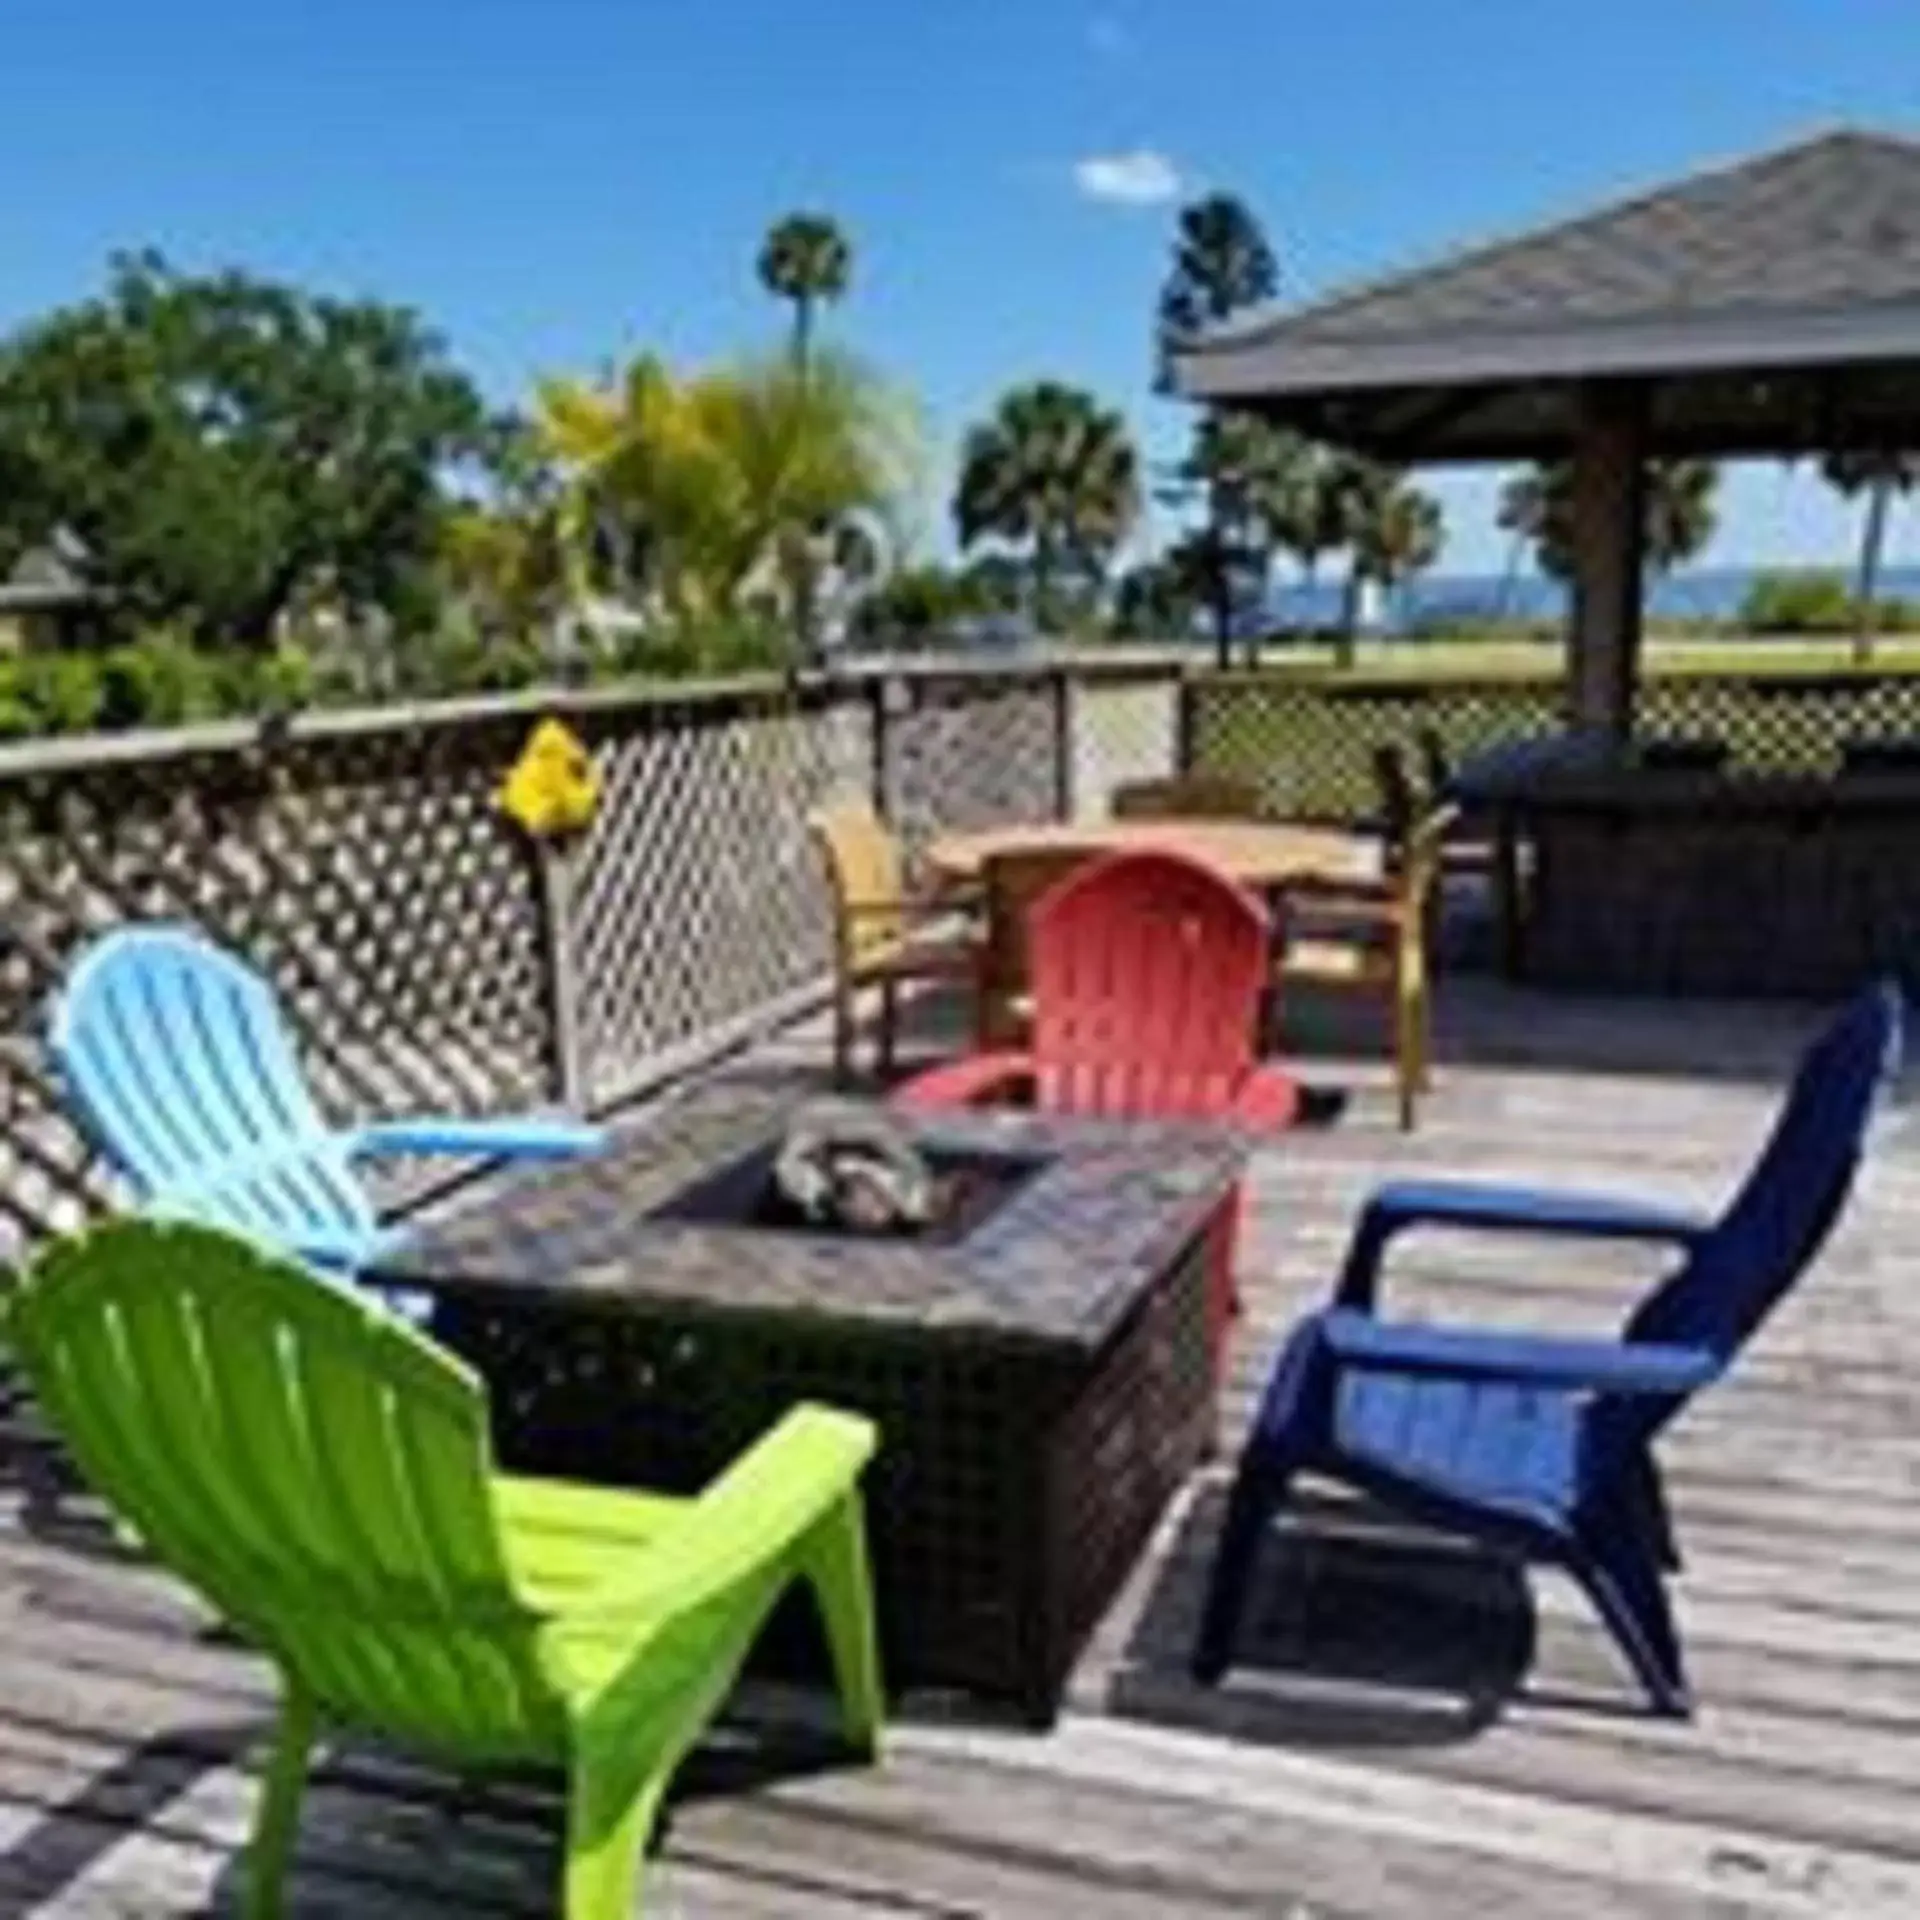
[[1108, 37], [1140, 178]]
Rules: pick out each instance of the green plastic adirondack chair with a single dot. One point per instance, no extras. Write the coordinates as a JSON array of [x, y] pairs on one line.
[[322, 1474]]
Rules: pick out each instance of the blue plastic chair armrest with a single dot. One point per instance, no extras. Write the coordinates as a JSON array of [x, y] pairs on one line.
[[1393, 1209], [342, 1251], [518, 1138], [1602, 1366]]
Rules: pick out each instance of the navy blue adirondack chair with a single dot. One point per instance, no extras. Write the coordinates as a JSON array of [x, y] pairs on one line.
[[180, 1060], [1543, 1448]]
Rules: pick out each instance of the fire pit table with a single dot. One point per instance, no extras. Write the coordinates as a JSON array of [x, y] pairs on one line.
[[1037, 1363]]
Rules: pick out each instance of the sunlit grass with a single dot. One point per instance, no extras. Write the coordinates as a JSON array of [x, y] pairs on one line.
[[1532, 658]]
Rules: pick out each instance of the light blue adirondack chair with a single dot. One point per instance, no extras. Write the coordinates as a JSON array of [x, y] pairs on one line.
[[180, 1060], [1544, 1448]]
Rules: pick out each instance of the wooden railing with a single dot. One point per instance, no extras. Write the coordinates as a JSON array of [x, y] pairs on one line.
[[361, 861]]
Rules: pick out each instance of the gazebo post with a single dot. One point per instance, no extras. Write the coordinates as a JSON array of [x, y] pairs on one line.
[[1609, 549]]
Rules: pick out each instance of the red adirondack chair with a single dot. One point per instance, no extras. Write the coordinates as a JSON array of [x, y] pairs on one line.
[[1147, 976]]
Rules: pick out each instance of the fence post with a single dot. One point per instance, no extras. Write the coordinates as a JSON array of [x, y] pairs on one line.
[[1186, 733], [552, 793], [1063, 744], [877, 729], [567, 1066]]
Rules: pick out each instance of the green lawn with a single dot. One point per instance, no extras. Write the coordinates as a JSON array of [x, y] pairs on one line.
[[1527, 658]]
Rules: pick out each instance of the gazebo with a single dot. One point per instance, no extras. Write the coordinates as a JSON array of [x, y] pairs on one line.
[[1768, 307]]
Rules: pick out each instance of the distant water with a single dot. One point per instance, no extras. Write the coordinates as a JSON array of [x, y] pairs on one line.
[[1710, 593]]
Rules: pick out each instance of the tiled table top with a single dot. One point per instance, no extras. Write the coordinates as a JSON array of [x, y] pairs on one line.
[[1060, 1261]]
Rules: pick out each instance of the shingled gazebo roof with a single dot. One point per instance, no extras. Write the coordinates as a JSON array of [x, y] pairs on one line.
[[1768, 307]]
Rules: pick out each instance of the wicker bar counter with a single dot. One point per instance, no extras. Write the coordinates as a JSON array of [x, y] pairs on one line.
[[1041, 1379], [1643, 878]]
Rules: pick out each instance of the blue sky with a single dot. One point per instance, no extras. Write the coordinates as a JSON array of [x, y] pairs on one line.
[[554, 181]]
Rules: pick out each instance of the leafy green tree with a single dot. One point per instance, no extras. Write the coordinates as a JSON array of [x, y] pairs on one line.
[[997, 583], [1536, 506], [1256, 480], [807, 260], [1054, 473], [918, 606], [1161, 598], [1880, 476], [225, 446], [1222, 263], [503, 559]]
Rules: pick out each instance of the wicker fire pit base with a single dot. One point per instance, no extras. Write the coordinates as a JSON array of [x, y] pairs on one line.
[[1041, 1382]]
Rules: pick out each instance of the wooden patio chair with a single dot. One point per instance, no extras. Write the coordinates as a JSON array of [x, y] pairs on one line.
[[323, 1476], [1436, 765], [1374, 938], [1542, 1449], [1188, 796], [1469, 847], [1397, 803], [1486, 861], [885, 933]]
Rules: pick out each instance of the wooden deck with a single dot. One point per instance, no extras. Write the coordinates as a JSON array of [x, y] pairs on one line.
[[1418, 1732]]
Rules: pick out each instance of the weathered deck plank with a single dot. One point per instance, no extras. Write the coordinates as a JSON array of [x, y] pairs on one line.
[[1416, 1733]]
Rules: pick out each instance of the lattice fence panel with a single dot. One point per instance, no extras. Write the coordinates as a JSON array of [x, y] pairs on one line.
[[1122, 730], [1308, 741], [1779, 723], [1308, 744], [698, 896], [366, 874], [971, 753]]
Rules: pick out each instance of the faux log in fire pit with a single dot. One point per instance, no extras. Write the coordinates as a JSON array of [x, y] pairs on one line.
[[843, 1167]]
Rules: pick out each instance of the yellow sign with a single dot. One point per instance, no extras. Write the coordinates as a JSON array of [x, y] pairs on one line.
[[554, 786]]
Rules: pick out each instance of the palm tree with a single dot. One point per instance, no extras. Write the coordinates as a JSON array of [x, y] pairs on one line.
[[1522, 517], [729, 484], [1402, 537], [1880, 476], [1054, 472], [1680, 513], [623, 446], [806, 259], [1299, 517], [1348, 497], [1222, 262], [813, 463]]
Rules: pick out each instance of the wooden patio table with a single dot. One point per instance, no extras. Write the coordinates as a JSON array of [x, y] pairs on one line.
[[1260, 855], [1263, 856]]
